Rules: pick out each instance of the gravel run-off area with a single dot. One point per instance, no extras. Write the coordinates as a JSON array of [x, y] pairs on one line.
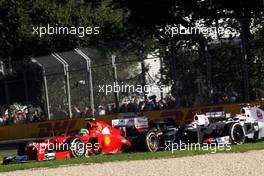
[[249, 163]]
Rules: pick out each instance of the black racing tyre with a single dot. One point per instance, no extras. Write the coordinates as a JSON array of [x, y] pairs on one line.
[[255, 136], [237, 133], [8, 160], [77, 147], [256, 132], [22, 148], [152, 141], [94, 150]]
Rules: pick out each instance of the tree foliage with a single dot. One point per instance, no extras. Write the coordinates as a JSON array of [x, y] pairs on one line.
[[18, 17], [151, 16], [142, 24]]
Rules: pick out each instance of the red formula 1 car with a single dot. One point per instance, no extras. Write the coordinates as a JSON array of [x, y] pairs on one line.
[[97, 138]]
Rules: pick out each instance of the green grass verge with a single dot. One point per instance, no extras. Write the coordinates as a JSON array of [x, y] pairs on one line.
[[125, 157]]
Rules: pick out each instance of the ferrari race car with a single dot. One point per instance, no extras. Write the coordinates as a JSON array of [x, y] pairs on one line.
[[144, 134], [97, 138], [220, 127]]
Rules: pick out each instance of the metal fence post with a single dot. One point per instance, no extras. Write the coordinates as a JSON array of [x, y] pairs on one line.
[[67, 80], [25, 81], [246, 81], [45, 87], [46, 93], [115, 82], [89, 71], [208, 70]]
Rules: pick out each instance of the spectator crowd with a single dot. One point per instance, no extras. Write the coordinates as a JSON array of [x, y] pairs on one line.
[[152, 104], [18, 114]]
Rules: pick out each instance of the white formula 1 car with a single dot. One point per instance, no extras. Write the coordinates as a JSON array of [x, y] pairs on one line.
[[248, 125], [252, 120]]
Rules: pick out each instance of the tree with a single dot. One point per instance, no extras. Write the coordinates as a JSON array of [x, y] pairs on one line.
[[18, 42], [151, 16], [21, 16]]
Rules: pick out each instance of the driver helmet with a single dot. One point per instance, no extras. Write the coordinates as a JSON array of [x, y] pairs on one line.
[[83, 132]]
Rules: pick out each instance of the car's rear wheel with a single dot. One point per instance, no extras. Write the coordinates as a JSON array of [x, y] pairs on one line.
[[22, 148], [152, 141], [94, 148]]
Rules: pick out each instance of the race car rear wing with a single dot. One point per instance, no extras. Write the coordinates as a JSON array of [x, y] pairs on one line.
[[217, 114], [138, 122]]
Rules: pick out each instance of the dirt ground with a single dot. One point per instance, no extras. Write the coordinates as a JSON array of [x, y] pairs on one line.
[[250, 163]]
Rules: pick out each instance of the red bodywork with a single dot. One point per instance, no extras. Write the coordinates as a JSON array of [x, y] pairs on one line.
[[100, 138]]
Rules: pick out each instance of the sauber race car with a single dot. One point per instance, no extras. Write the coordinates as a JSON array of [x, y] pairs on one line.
[[220, 127], [252, 120], [144, 134], [97, 138], [213, 127]]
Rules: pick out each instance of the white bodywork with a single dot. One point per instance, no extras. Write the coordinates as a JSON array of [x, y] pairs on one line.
[[201, 119], [252, 117]]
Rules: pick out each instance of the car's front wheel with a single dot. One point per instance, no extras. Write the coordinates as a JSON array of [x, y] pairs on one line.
[[77, 147], [237, 133]]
